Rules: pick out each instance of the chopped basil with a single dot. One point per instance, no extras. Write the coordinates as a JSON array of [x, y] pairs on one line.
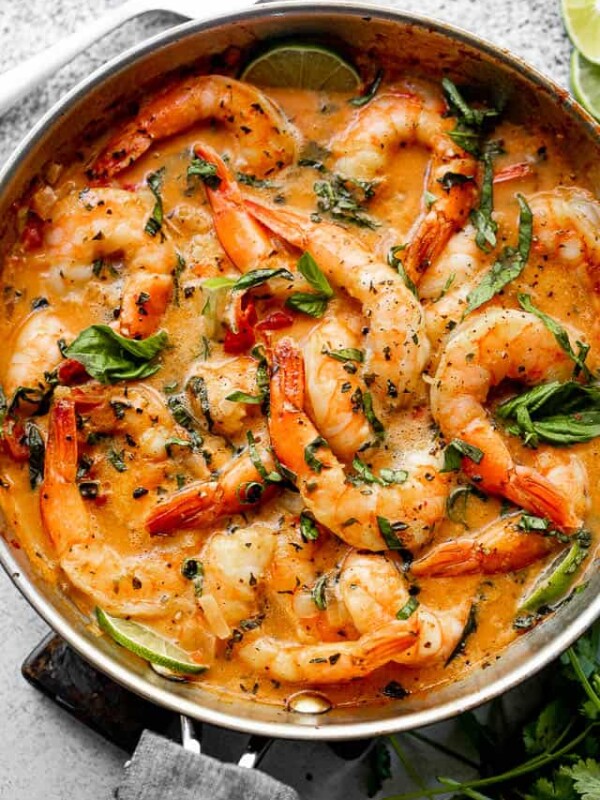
[[206, 171], [178, 269], [155, 221], [193, 570], [470, 628], [197, 386], [533, 524], [314, 305], [116, 459], [256, 183], [250, 492], [309, 454], [251, 623], [386, 477], [110, 357], [343, 199], [408, 609], [268, 477], [509, 265], [37, 453], [308, 526], [175, 441], [389, 532], [369, 93], [396, 263], [346, 354], [313, 155], [470, 122], [446, 287], [318, 593], [561, 336], [243, 397], [39, 396], [184, 417], [481, 217], [373, 421], [456, 450], [559, 413], [451, 179]]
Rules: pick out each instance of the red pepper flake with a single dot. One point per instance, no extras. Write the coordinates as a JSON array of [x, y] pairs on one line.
[[33, 232]]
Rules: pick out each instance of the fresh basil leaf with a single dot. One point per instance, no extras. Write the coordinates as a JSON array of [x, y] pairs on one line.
[[314, 305], [256, 277], [561, 336], [184, 417], [386, 477], [318, 593], [38, 396], [468, 630], [205, 170], [309, 269], [454, 453], [481, 217], [155, 221], [408, 609], [268, 477], [369, 93], [220, 282], [175, 441], [197, 386], [456, 503], [308, 526], [390, 476], [396, 263], [309, 454], [177, 272], [37, 454], [509, 265], [250, 492], [314, 155], [470, 122], [256, 183], [109, 357]]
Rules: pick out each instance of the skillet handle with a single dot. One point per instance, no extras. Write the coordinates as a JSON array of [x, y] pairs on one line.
[[255, 751]]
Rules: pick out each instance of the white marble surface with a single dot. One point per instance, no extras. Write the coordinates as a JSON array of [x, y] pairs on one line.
[[44, 753]]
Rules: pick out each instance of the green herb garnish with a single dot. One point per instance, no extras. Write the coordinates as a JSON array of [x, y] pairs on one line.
[[318, 593], [396, 263], [408, 609], [314, 305], [155, 221], [37, 453], [456, 451], [309, 454], [308, 526], [343, 199], [389, 532], [369, 93], [485, 225], [206, 171]]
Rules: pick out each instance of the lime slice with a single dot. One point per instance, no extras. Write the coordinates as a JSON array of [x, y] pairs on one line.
[[582, 21], [556, 580], [585, 83], [302, 66], [147, 644]]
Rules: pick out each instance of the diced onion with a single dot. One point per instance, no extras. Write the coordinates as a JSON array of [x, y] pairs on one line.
[[337, 614], [304, 605], [214, 616]]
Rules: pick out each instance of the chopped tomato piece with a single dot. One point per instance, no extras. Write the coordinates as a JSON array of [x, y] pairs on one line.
[[13, 437], [241, 340], [70, 372], [275, 321], [33, 233]]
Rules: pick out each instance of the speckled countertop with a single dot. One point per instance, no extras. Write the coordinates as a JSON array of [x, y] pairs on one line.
[[44, 753]]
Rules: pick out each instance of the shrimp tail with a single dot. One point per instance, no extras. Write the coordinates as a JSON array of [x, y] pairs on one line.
[[531, 490], [287, 376], [194, 505], [289, 225]]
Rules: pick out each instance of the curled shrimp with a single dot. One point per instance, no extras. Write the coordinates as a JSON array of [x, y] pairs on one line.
[[365, 148], [329, 662], [34, 348], [374, 592], [497, 345], [265, 139], [248, 245], [505, 545], [108, 224], [355, 513], [238, 487], [396, 344], [145, 584]]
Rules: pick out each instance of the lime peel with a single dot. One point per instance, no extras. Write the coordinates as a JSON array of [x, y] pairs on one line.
[[585, 83], [148, 645], [582, 21]]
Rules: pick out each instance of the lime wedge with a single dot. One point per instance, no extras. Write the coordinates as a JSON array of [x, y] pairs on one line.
[[302, 66], [147, 644], [585, 83], [582, 21], [556, 580]]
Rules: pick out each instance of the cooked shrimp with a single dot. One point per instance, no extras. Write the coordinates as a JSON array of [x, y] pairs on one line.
[[374, 592], [330, 662], [265, 139], [396, 344], [365, 148], [501, 344], [110, 224], [331, 389], [34, 348], [234, 566], [238, 487], [247, 244], [505, 545], [146, 584], [355, 513]]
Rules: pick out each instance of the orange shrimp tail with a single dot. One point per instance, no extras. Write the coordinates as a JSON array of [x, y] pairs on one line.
[[385, 643], [289, 225], [194, 505], [427, 244], [287, 376], [532, 491], [61, 448]]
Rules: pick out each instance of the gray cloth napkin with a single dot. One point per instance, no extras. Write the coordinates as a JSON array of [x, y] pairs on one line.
[[162, 770]]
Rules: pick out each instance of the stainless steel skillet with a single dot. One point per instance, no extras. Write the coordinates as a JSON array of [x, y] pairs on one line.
[[395, 40]]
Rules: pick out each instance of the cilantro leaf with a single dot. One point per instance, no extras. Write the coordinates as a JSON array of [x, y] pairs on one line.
[[586, 777]]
